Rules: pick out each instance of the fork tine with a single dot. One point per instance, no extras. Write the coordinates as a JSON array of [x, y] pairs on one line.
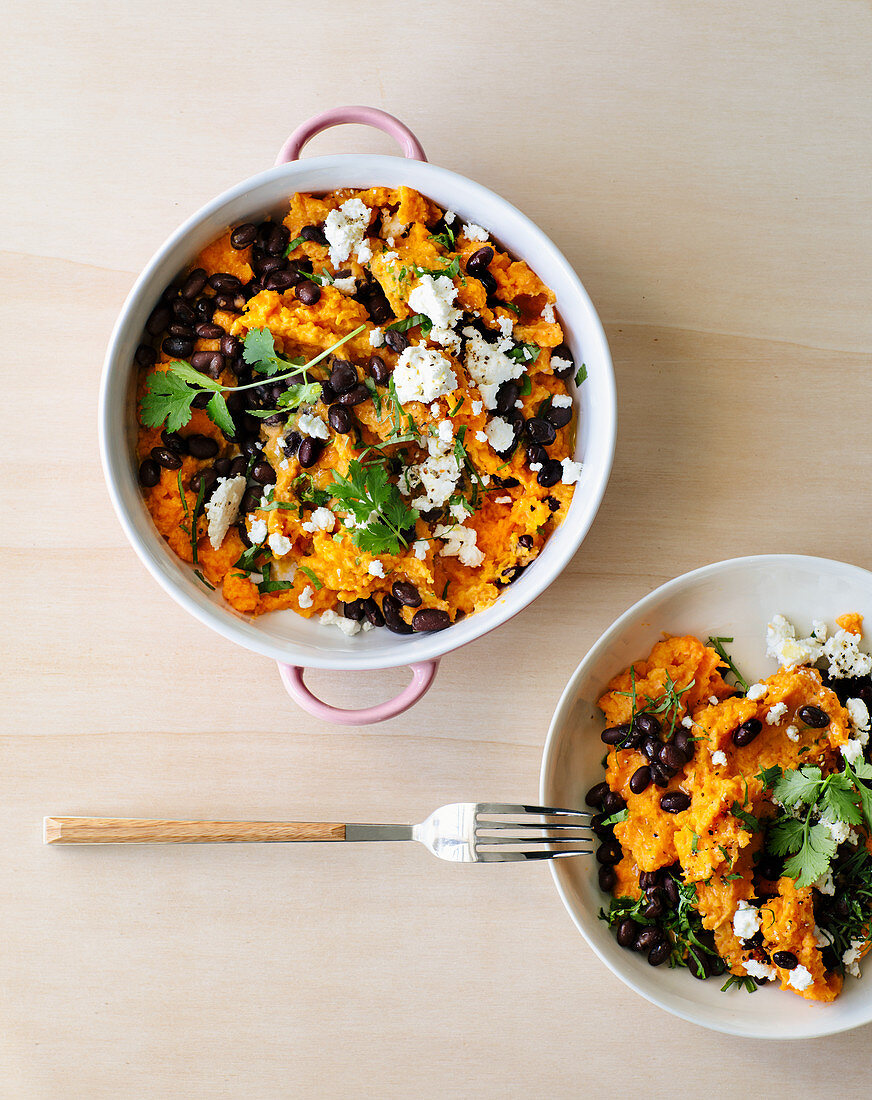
[[500, 825], [508, 808], [511, 857], [484, 841]]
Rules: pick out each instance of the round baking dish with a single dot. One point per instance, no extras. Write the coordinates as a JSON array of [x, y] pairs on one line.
[[297, 643]]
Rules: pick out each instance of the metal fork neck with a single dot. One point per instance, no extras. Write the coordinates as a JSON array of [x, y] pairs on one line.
[[378, 832]]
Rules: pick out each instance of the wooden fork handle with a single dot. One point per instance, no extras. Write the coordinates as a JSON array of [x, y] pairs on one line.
[[136, 830]]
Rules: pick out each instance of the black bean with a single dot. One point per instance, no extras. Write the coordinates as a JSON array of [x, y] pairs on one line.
[[278, 240], [204, 308], [163, 456], [243, 236], [627, 931], [540, 431], [553, 505], [603, 831], [746, 733], [559, 416], [179, 347], [682, 742], [222, 467], [674, 802], [343, 375], [202, 446], [250, 500], [355, 396], [225, 283], [229, 346], [202, 399], [647, 939], [281, 281], [185, 331], [614, 734], [487, 281], [640, 780], [394, 621], [672, 756], [378, 369], [607, 879], [352, 610], [183, 312], [292, 443], [670, 891], [406, 593], [550, 474], [149, 473], [507, 395], [647, 724], [659, 953], [649, 879], [613, 803], [207, 331], [480, 260], [536, 453], [328, 394], [610, 851], [813, 716], [661, 779], [158, 321], [264, 473], [230, 303], [430, 619], [174, 441], [238, 466], [207, 477], [209, 362], [266, 265], [193, 284], [307, 292], [595, 795], [396, 341], [314, 233], [563, 352], [651, 748], [785, 959], [310, 450], [145, 356], [654, 908], [340, 419], [372, 612], [526, 541]]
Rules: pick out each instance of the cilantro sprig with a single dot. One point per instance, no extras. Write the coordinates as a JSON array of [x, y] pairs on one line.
[[376, 505], [667, 702]]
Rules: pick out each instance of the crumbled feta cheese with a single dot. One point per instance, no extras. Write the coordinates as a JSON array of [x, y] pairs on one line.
[[852, 751], [519, 404], [445, 432], [535, 467], [502, 500], [376, 337], [390, 258], [561, 401], [279, 544], [419, 549], [505, 324], [851, 957], [422, 374], [558, 363], [838, 830], [713, 700], [792, 733], [347, 285], [547, 314], [571, 471], [474, 232], [481, 437], [756, 691], [448, 217], [437, 476], [859, 714], [488, 366], [824, 883], [313, 426], [476, 408], [822, 937], [344, 229], [257, 531], [434, 298], [719, 758], [307, 597], [755, 969], [347, 626], [775, 714], [800, 978], [377, 568], [435, 409], [389, 241], [222, 508], [687, 722], [323, 519], [460, 543], [846, 659], [500, 434], [458, 512], [746, 920], [364, 254]]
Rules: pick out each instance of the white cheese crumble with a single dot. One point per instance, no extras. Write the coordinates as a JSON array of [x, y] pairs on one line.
[[851, 957], [506, 327], [460, 543], [845, 657], [502, 500], [792, 733], [859, 714], [822, 937], [347, 285], [571, 471], [535, 467], [481, 437], [364, 255], [474, 232], [719, 758], [279, 544], [323, 519], [547, 314], [561, 401], [775, 714], [419, 549], [307, 597], [687, 722], [257, 531], [559, 363], [852, 751], [376, 567], [824, 883], [755, 969], [347, 626], [445, 432], [434, 298], [800, 978], [390, 258], [756, 691], [476, 408], [488, 366], [838, 830], [448, 217], [713, 700], [376, 337], [222, 507], [344, 229], [500, 434], [842, 650], [746, 920], [422, 374], [312, 426], [436, 476]]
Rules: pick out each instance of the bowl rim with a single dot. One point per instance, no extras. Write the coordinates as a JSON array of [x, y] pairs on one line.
[[424, 647], [558, 720]]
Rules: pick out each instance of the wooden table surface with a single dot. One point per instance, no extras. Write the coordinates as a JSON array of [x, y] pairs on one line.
[[706, 169]]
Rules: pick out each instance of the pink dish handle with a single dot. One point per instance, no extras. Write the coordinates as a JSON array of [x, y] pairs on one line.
[[364, 116], [423, 674]]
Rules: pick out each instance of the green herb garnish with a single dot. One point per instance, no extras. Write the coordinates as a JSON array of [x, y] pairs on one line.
[[717, 645], [581, 376], [411, 322], [524, 353], [367, 490], [294, 244], [317, 583]]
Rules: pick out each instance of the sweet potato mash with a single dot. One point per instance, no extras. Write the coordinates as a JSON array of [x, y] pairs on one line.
[[734, 817], [404, 478]]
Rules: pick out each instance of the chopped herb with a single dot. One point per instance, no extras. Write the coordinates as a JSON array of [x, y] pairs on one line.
[[732, 878], [317, 583], [740, 982], [446, 238], [581, 375], [512, 307], [524, 353], [411, 322], [456, 409], [274, 586], [668, 702], [451, 269], [445, 590], [196, 511], [294, 244], [694, 842], [746, 818], [616, 818], [717, 645], [324, 279], [201, 578], [306, 491], [526, 385], [376, 396]]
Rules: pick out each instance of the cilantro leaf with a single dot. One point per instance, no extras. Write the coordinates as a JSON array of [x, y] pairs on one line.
[[616, 818], [747, 819], [798, 786], [167, 398], [304, 393], [187, 373], [860, 771], [769, 776], [526, 385], [367, 490], [785, 836], [813, 858], [581, 375], [524, 353], [315, 580], [258, 347], [219, 414], [839, 798]]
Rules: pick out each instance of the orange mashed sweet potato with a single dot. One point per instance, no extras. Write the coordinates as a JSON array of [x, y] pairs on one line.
[[721, 801], [476, 461]]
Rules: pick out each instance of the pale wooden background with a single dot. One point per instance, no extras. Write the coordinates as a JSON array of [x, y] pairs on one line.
[[706, 168]]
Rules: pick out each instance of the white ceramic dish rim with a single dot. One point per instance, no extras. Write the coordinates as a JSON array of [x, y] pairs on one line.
[[333, 650], [559, 718]]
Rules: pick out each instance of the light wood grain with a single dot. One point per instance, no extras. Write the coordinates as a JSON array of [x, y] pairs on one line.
[[141, 830], [706, 169]]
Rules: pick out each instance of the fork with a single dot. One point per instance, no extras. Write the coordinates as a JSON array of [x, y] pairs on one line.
[[462, 832]]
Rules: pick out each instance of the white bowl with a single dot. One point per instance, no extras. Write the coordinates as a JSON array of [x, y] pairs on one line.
[[286, 636], [735, 599]]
